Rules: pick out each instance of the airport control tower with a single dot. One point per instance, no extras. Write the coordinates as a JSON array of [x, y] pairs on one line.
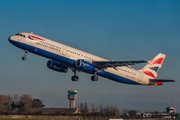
[[72, 96]]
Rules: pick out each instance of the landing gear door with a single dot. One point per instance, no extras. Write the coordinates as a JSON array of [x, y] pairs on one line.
[[64, 50], [140, 77]]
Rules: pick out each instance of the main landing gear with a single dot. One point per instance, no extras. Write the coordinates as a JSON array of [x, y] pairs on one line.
[[24, 58], [76, 78], [94, 78]]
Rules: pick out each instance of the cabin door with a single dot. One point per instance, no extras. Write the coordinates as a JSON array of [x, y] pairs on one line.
[[140, 76], [64, 50]]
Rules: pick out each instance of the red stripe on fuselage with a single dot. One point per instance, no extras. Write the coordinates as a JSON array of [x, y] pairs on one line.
[[36, 37], [157, 61]]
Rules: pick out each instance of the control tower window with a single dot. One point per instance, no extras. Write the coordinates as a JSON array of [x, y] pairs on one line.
[[72, 93]]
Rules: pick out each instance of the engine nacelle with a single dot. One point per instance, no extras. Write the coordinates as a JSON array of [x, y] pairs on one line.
[[56, 66], [85, 65]]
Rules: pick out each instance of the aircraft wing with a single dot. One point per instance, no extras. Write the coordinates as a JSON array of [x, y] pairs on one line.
[[161, 80], [114, 64]]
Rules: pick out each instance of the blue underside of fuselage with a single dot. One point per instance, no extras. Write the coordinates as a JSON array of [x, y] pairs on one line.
[[69, 62]]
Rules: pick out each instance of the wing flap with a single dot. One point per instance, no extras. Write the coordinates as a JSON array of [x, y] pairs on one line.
[[106, 64]]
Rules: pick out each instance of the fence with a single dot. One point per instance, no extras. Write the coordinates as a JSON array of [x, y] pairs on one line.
[[107, 118], [40, 117]]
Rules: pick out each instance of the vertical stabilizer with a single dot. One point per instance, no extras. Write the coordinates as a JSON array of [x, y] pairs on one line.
[[153, 67]]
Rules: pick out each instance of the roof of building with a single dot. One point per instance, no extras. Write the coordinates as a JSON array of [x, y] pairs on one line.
[[55, 110]]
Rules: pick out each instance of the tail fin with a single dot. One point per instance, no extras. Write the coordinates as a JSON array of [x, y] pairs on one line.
[[153, 67]]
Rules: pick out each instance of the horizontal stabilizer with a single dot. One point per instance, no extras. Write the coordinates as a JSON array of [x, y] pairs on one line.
[[161, 80]]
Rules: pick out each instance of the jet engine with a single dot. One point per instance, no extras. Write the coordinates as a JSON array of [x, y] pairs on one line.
[[85, 65], [56, 66]]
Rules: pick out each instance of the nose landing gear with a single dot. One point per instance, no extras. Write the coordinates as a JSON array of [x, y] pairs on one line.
[[24, 58]]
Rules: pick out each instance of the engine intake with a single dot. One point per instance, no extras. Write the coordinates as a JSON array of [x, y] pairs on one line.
[[56, 66], [85, 65]]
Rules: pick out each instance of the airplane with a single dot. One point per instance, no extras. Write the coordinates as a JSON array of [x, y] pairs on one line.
[[64, 58]]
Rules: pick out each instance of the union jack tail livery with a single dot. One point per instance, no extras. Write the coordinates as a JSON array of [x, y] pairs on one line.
[[153, 67]]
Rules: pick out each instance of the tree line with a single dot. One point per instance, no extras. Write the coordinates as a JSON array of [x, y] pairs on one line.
[[16, 104], [108, 111], [103, 111], [23, 104]]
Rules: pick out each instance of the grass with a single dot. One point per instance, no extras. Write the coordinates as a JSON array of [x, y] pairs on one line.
[[31, 119], [18, 119]]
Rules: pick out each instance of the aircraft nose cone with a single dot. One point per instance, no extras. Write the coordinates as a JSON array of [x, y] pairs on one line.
[[9, 39]]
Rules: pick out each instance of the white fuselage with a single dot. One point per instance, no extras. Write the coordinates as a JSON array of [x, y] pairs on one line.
[[47, 48]]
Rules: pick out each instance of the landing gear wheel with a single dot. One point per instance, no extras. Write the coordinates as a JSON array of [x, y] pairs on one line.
[[26, 52], [74, 78], [24, 58], [94, 78]]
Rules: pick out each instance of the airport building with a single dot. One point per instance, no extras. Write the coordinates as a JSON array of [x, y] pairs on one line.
[[170, 109]]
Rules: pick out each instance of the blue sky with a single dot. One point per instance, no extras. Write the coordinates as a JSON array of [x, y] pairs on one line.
[[115, 30]]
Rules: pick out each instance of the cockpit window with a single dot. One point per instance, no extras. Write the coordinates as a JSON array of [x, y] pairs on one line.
[[20, 35]]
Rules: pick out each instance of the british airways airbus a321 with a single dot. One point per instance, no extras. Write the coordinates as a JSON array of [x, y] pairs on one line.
[[63, 57]]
